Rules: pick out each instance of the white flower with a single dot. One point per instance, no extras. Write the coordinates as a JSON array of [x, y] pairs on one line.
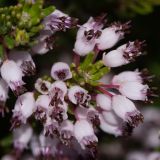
[[22, 136], [24, 60], [58, 21], [123, 54], [103, 101], [134, 90], [78, 96], [66, 131], [126, 110], [127, 76], [109, 128], [58, 90], [51, 127], [12, 74], [86, 37], [114, 59], [44, 43], [61, 71], [111, 35], [42, 86], [23, 109], [42, 105], [111, 118], [89, 114], [84, 134]]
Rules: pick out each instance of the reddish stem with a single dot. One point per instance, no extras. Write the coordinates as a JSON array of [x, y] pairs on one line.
[[76, 59], [109, 86], [105, 91]]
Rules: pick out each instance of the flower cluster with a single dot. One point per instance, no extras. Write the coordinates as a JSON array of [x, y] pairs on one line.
[[71, 103]]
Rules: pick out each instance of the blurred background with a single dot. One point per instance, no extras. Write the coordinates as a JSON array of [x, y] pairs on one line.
[[145, 20]]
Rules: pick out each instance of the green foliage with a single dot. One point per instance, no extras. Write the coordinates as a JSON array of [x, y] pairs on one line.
[[20, 23], [132, 7], [89, 72]]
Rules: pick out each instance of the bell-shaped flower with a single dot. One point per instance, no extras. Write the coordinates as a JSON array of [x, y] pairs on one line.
[[12, 74], [79, 96], [123, 54], [42, 105], [134, 90], [24, 60], [126, 110], [127, 76], [23, 109], [42, 86], [66, 132], [85, 135], [61, 71], [111, 35], [104, 102]]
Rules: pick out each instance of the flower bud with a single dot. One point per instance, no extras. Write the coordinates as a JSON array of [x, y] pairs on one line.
[[61, 71], [12, 74], [154, 156], [24, 60]]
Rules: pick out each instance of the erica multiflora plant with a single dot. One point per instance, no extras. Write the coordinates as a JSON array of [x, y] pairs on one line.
[[62, 114]]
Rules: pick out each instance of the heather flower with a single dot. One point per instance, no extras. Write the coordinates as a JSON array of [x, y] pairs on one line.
[[51, 127], [78, 96], [127, 76], [22, 136], [126, 110], [57, 91], [59, 21], [134, 90], [111, 35], [23, 109], [44, 43], [66, 132], [86, 36], [42, 86], [136, 155], [123, 54], [24, 60], [104, 102], [8, 157], [12, 74], [61, 71], [42, 105], [85, 135], [109, 128]]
